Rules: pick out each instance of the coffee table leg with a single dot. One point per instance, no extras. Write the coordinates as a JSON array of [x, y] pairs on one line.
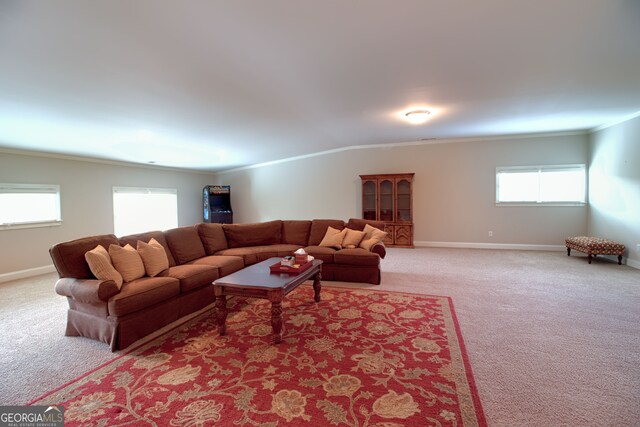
[[221, 313], [276, 320], [317, 287]]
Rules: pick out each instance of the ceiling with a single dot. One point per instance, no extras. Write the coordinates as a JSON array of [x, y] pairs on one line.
[[215, 85]]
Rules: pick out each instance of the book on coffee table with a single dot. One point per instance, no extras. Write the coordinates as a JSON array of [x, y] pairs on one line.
[[294, 269]]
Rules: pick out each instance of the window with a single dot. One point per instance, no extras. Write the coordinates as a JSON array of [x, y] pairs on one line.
[[533, 185], [29, 205], [136, 210]]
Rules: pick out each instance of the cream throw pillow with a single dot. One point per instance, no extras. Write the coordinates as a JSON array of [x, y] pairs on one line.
[[352, 238], [333, 238], [372, 237], [154, 257], [100, 265], [127, 261]]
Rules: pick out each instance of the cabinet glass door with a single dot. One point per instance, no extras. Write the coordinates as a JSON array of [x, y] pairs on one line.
[[386, 200], [369, 200], [403, 193]]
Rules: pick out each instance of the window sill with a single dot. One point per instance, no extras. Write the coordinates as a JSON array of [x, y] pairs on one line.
[[37, 224], [541, 204]]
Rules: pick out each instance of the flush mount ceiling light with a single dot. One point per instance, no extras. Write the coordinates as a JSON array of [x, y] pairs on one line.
[[418, 116]]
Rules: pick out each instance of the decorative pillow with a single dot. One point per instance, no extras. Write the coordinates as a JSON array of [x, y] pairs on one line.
[[100, 265], [127, 261], [333, 238], [372, 237], [154, 257], [352, 239]]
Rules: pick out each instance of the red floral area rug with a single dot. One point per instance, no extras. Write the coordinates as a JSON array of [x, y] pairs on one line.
[[357, 358]]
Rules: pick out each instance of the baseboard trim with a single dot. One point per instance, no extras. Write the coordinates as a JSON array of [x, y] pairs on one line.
[[633, 263], [501, 246], [30, 272]]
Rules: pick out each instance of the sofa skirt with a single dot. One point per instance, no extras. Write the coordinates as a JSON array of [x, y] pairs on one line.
[[351, 273]]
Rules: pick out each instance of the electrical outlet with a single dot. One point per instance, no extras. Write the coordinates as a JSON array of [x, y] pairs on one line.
[[491, 235], [638, 248]]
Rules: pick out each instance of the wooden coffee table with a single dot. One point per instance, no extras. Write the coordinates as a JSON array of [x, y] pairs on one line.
[[257, 281]]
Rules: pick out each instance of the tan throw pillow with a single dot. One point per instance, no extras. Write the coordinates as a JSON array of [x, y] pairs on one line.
[[100, 265], [127, 261], [372, 237], [352, 239], [153, 257], [333, 238]]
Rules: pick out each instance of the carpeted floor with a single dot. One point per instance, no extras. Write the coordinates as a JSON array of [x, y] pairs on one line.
[[551, 339]]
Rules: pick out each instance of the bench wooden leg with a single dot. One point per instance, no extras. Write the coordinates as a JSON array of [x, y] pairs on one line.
[[589, 258], [619, 259], [568, 251]]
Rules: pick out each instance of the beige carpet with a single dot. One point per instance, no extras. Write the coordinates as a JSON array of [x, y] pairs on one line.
[[553, 341]]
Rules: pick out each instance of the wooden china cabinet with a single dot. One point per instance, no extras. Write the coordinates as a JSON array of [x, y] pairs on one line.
[[389, 198]]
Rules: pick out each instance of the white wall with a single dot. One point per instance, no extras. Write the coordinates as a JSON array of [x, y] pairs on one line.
[[454, 192], [614, 192], [454, 188], [86, 201]]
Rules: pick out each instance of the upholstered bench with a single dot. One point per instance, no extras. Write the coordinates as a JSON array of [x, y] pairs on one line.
[[593, 246]]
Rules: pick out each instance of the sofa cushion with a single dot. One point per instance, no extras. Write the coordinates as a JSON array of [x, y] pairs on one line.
[[271, 251], [356, 256], [256, 234], [321, 252], [132, 240], [254, 254], [295, 232], [319, 229], [127, 261], [212, 237], [225, 264], [100, 265], [192, 276], [333, 238], [283, 249], [185, 244], [249, 255], [154, 257], [142, 293], [359, 224], [352, 239], [68, 257]]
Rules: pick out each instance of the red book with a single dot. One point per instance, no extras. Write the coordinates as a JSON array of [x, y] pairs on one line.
[[279, 268]]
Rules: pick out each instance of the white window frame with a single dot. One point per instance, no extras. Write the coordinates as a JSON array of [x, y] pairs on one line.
[[30, 189], [143, 190], [540, 169]]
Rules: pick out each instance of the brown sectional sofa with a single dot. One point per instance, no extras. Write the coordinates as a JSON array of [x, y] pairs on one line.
[[197, 256]]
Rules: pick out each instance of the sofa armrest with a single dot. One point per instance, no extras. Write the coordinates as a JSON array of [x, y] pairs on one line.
[[88, 291], [379, 249]]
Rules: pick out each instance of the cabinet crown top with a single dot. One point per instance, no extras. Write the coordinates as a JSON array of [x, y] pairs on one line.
[[389, 175]]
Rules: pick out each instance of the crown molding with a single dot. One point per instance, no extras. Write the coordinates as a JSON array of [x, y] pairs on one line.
[[406, 144], [616, 122], [429, 141], [99, 161]]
